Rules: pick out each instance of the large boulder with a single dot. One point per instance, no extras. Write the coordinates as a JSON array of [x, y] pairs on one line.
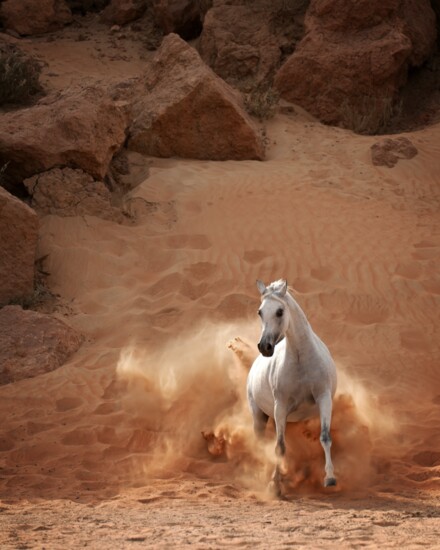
[[354, 57], [78, 128], [34, 16], [120, 12], [33, 343], [18, 242], [245, 42], [183, 17], [188, 111], [71, 192]]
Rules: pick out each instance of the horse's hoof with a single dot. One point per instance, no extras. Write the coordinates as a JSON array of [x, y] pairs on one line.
[[275, 489], [329, 482]]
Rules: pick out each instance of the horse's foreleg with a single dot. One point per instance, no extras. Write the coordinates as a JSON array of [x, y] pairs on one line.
[[325, 412], [280, 416]]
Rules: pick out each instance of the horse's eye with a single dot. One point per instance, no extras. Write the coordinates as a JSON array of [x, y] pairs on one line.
[[259, 312], [279, 312]]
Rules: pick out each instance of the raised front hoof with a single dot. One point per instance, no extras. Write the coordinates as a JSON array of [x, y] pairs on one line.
[[329, 482], [244, 351]]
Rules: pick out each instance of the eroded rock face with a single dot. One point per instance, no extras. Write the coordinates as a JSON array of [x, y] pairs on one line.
[[70, 192], [354, 58], [183, 17], [18, 242], [78, 128], [120, 12], [246, 42], [237, 43], [33, 343], [188, 111], [388, 151], [28, 17]]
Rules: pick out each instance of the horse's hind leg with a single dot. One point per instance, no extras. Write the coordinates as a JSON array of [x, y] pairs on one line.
[[325, 412], [260, 420]]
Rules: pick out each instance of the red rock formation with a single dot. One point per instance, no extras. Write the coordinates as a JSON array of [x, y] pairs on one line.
[[69, 192], [246, 43], [183, 17], [33, 343], [355, 56], [18, 241], [85, 6], [79, 128], [188, 111], [34, 16], [120, 12]]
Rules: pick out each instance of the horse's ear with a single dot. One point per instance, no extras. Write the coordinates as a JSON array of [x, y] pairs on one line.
[[261, 286], [283, 289]]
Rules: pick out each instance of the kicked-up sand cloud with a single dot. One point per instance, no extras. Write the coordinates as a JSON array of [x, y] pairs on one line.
[[191, 395]]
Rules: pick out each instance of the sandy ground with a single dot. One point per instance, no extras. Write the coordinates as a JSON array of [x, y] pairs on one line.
[[107, 451]]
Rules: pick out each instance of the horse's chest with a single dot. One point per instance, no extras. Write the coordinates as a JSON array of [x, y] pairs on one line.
[[269, 382]]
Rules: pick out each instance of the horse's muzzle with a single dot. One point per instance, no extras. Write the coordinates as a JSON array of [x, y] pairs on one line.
[[266, 349]]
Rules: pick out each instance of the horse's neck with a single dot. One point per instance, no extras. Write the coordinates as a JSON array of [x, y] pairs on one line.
[[299, 330]]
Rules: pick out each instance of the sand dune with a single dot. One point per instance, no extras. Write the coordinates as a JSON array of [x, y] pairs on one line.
[[160, 299]]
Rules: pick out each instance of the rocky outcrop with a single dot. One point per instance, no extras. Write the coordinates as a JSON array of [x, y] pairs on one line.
[[182, 17], [188, 111], [18, 241], [77, 128], [28, 17], [70, 192], [388, 151], [33, 343], [85, 6], [245, 43], [239, 45], [120, 12], [354, 58]]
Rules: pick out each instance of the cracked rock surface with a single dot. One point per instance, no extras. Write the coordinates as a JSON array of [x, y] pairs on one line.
[[71, 192]]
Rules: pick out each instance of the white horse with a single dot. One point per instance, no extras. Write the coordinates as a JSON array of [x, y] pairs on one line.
[[294, 378]]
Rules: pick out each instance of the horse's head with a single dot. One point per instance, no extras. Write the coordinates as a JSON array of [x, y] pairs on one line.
[[274, 315]]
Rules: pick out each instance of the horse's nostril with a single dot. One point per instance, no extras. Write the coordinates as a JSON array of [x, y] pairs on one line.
[[265, 349]]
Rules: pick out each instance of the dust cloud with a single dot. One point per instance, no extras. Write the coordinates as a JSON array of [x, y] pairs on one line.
[[190, 397]]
